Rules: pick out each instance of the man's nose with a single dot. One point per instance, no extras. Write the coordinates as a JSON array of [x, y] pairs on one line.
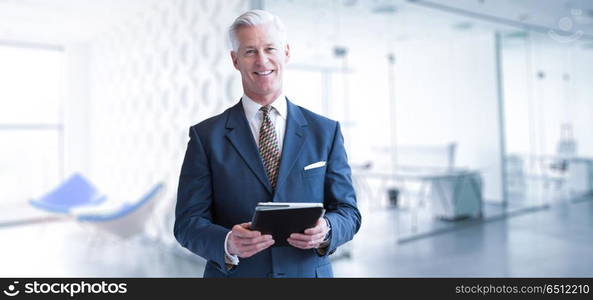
[[262, 59]]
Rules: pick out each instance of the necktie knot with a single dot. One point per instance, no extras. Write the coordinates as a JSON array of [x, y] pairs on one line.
[[266, 109]]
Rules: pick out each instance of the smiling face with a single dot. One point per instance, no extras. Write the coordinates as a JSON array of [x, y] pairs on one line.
[[260, 59]]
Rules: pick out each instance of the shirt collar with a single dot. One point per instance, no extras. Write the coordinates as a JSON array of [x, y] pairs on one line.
[[251, 107]]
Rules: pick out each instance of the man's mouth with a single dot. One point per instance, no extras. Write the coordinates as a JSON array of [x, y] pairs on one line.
[[264, 73]]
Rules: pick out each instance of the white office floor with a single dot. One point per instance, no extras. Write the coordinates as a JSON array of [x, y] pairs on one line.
[[557, 241]]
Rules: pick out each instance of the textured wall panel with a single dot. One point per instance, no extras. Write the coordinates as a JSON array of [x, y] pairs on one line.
[[152, 77]]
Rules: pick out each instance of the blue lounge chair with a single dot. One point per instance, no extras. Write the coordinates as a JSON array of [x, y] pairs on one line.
[[75, 192]]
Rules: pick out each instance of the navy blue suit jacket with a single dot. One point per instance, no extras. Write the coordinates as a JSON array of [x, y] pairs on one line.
[[223, 178]]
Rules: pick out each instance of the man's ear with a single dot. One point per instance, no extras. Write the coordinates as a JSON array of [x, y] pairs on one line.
[[287, 52], [234, 58]]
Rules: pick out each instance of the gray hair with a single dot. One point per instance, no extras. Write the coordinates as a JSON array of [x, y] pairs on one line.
[[253, 18]]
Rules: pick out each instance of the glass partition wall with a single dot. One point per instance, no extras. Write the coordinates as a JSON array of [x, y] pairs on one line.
[[416, 94], [548, 111]]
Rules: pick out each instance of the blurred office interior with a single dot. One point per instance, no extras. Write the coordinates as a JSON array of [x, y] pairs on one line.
[[466, 124]]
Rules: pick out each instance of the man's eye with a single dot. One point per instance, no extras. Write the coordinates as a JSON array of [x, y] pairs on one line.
[[249, 51], [271, 49]]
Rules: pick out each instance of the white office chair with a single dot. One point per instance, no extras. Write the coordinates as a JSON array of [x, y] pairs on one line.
[[126, 220]]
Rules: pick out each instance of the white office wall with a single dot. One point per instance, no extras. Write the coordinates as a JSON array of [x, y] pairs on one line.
[[151, 78]]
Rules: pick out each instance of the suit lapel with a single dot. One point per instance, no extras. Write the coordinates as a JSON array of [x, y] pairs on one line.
[[294, 138], [241, 138]]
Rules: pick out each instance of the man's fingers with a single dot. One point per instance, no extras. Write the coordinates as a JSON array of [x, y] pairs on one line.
[[256, 240], [248, 251], [311, 238], [242, 232], [298, 244], [246, 244], [319, 227], [307, 237], [304, 244], [314, 230], [259, 246], [246, 225]]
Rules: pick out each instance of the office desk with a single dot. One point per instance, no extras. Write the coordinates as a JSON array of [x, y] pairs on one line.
[[454, 193], [580, 176], [571, 176]]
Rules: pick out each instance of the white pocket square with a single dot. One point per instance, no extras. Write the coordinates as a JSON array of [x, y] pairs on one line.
[[318, 164]]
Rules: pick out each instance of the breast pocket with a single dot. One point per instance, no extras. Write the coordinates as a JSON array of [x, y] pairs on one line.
[[313, 172], [314, 180]]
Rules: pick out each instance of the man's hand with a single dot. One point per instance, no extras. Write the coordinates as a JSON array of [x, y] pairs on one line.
[[244, 242], [312, 238]]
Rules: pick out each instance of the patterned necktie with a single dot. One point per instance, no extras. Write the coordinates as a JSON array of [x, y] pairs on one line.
[[268, 146]]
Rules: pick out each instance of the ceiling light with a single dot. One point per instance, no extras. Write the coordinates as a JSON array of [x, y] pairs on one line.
[[384, 7], [463, 26], [516, 35]]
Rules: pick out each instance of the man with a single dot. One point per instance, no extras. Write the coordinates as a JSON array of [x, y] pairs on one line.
[[265, 148]]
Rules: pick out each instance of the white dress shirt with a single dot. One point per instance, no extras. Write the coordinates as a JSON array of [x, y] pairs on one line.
[[277, 115], [255, 118]]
